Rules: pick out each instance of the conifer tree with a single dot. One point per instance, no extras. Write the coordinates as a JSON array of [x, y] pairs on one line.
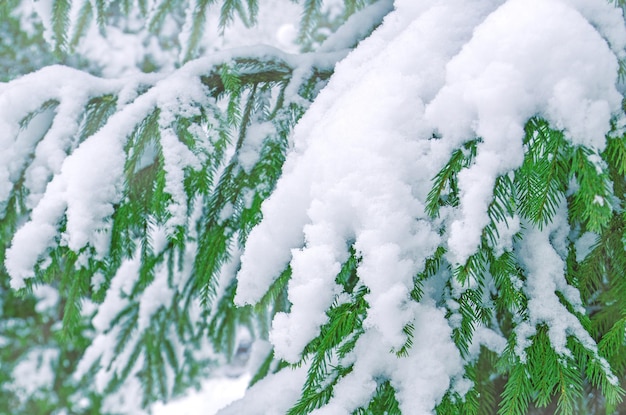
[[420, 212]]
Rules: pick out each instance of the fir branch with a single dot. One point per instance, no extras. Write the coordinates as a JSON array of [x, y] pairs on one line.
[[508, 276], [157, 17], [227, 12], [253, 11], [408, 330], [343, 328], [263, 370], [473, 271], [615, 153], [72, 311], [501, 208], [517, 392], [542, 180], [232, 85], [127, 321], [198, 21], [352, 6], [143, 6], [347, 276], [276, 290], [243, 13], [431, 267], [227, 318], [97, 112], [472, 312], [613, 345], [310, 15], [591, 202], [312, 400], [485, 382], [60, 23], [101, 13], [445, 189], [126, 6], [600, 375], [80, 28], [384, 401], [246, 117]]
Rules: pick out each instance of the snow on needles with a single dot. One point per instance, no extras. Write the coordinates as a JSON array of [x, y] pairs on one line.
[[363, 157], [50, 141], [528, 58], [83, 179], [356, 175]]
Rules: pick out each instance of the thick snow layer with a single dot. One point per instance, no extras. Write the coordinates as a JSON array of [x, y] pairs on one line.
[[356, 174], [436, 74], [363, 156], [527, 58]]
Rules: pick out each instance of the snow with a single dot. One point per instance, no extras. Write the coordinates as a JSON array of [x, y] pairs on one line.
[[585, 244], [214, 395], [338, 151], [72, 89], [116, 300], [158, 294], [272, 397], [362, 157], [506, 233], [356, 26], [545, 277], [44, 10], [488, 338], [79, 187], [310, 270], [352, 176], [47, 298], [418, 391], [249, 152], [286, 35], [176, 157], [357, 175], [27, 96], [34, 371], [574, 89], [116, 297]]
